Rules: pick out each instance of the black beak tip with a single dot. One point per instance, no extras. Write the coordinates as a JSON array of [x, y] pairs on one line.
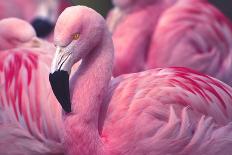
[[59, 81], [42, 27]]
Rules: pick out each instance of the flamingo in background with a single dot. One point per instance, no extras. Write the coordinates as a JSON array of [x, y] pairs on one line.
[[132, 24], [26, 100], [185, 36], [15, 32], [194, 35], [41, 13], [172, 111], [29, 115]]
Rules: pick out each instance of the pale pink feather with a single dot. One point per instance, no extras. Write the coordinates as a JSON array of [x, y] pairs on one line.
[[15, 140], [167, 111], [26, 101], [26, 95]]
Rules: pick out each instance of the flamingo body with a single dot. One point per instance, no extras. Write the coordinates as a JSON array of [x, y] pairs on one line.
[[173, 111], [201, 40], [26, 102], [167, 111]]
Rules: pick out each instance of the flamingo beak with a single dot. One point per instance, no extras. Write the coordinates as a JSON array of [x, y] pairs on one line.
[[59, 78]]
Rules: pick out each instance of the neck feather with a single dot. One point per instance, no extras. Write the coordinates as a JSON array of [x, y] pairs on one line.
[[88, 86]]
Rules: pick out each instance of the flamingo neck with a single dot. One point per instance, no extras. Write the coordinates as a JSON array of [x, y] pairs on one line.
[[88, 86]]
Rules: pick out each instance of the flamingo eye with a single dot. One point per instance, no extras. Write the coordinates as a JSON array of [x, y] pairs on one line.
[[76, 36]]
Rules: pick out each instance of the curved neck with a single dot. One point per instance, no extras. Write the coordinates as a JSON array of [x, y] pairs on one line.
[[88, 86]]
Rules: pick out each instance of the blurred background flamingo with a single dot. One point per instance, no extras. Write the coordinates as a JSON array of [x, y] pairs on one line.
[[180, 34], [132, 24], [28, 109], [15, 32], [194, 35], [173, 111], [41, 13]]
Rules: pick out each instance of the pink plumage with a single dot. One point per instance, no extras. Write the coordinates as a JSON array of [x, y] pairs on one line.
[[24, 9], [13, 8], [132, 24], [41, 13], [173, 111], [194, 35], [184, 36], [26, 100], [14, 33], [28, 110], [15, 140]]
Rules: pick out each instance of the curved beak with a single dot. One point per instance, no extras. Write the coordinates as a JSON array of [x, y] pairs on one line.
[[59, 78]]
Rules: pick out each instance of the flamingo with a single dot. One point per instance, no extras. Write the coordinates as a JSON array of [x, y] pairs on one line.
[[27, 103], [132, 24], [41, 13], [29, 115], [173, 111], [194, 35], [177, 36]]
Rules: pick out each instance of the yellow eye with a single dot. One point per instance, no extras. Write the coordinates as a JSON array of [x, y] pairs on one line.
[[76, 36]]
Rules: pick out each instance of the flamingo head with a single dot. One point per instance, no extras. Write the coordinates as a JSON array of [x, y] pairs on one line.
[[78, 31], [15, 31]]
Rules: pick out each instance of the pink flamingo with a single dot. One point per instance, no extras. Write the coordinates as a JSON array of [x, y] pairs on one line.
[[24, 117], [28, 109], [194, 35], [179, 35], [132, 24], [41, 13], [171, 111]]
